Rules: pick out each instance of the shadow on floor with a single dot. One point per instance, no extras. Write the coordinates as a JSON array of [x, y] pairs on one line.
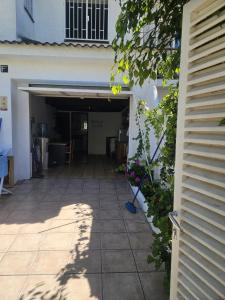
[[68, 236]]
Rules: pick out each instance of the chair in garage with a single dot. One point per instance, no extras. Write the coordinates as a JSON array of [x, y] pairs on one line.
[[70, 152]]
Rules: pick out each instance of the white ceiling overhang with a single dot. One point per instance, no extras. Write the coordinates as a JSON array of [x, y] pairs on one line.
[[75, 92]]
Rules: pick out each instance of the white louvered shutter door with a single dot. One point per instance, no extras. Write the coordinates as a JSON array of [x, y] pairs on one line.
[[198, 256]]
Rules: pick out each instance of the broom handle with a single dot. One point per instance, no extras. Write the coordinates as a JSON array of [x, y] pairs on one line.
[[146, 175]]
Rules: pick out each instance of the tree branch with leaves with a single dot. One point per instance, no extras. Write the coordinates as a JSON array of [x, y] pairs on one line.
[[147, 46]]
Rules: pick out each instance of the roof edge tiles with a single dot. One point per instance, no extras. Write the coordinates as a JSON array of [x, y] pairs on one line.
[[69, 44]]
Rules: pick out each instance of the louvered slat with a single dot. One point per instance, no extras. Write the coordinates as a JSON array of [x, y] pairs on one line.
[[205, 11], [198, 257], [202, 276], [209, 203], [203, 251], [204, 239], [189, 277]]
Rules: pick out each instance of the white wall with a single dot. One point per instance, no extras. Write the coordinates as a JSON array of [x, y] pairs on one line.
[[102, 125], [148, 93], [49, 19], [114, 11], [20, 132], [25, 27], [152, 94], [6, 128], [7, 19], [42, 113]]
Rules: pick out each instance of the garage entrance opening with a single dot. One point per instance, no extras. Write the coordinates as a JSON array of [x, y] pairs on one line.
[[88, 135]]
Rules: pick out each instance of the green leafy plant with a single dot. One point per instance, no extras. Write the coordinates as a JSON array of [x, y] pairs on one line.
[[121, 169], [160, 202], [147, 46], [222, 122], [159, 194], [147, 43]]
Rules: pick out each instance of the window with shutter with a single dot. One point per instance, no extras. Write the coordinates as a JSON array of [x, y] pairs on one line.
[[198, 258]]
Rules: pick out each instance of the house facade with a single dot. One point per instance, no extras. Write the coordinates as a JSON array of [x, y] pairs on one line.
[[59, 49]]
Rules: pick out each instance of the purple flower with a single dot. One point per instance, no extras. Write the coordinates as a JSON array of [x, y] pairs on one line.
[[137, 179], [137, 162], [132, 174]]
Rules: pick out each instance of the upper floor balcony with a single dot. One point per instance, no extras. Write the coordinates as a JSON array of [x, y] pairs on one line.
[[87, 21]]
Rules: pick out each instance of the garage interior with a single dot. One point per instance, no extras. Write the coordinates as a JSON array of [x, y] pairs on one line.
[[70, 131]]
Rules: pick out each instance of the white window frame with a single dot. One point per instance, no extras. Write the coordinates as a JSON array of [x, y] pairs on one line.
[[28, 6], [87, 32]]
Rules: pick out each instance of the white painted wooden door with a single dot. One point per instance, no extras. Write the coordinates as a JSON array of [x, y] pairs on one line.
[[198, 256]]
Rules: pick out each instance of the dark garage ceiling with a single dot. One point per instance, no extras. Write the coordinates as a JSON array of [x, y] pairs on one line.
[[94, 105]]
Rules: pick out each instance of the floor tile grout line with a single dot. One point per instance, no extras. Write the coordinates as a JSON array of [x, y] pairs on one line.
[[101, 257], [101, 249], [139, 278], [7, 251], [75, 273], [23, 286], [64, 250]]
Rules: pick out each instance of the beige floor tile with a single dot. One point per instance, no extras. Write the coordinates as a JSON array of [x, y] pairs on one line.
[[6, 241], [137, 226], [43, 215], [140, 257], [11, 286], [139, 216], [70, 191], [26, 242], [88, 225], [153, 286], [77, 219], [12, 228], [115, 241], [57, 241], [61, 226], [15, 263], [37, 227], [125, 286], [84, 261], [54, 197], [124, 196], [88, 197], [44, 287], [82, 287], [107, 197], [87, 204], [87, 241], [109, 204], [141, 240], [67, 204], [2, 254], [65, 214], [50, 262], [113, 226], [109, 214], [118, 261], [93, 213], [21, 215]]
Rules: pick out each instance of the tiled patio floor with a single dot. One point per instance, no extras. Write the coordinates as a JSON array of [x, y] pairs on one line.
[[69, 237]]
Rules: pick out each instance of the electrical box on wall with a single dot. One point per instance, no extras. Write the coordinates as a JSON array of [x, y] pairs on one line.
[[4, 68]]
